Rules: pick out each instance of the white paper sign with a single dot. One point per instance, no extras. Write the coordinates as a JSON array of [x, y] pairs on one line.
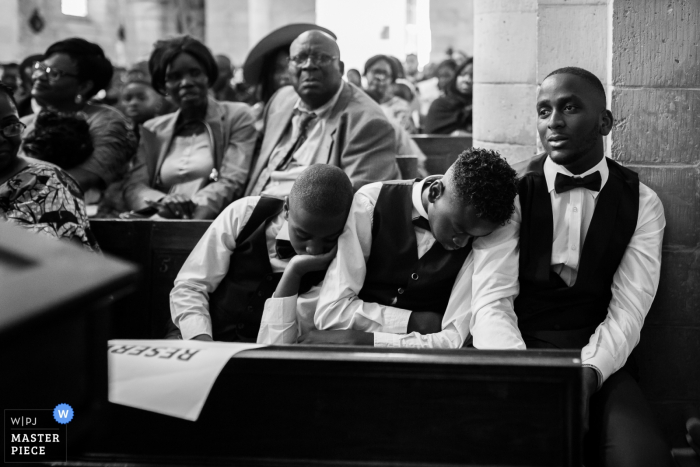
[[171, 377]]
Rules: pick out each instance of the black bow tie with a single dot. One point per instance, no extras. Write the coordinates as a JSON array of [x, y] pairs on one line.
[[422, 222], [284, 249], [564, 183]]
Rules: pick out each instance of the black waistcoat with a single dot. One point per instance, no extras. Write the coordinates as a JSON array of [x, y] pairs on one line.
[[394, 271], [549, 312], [237, 304]]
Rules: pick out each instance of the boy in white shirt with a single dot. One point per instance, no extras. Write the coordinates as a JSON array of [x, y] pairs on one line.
[[253, 245]]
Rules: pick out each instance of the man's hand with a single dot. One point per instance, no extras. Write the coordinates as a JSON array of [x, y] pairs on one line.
[[301, 264], [424, 322], [590, 386], [316, 337], [203, 337]]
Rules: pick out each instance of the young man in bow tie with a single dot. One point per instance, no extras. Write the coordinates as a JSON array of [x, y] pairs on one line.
[[427, 263], [590, 253], [256, 245]]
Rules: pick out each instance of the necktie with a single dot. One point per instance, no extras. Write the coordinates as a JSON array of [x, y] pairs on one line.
[[422, 222], [564, 183], [284, 249], [301, 125]]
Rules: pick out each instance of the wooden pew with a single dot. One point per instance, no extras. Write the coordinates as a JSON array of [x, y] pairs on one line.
[[305, 405], [159, 248], [441, 150]]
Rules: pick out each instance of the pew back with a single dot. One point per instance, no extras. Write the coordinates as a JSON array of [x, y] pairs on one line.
[[160, 248], [441, 150], [305, 405]]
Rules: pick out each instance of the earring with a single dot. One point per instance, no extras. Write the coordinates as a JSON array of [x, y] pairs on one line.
[[78, 99]]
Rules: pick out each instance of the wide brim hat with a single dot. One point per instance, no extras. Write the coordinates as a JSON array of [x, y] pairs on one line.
[[284, 36]]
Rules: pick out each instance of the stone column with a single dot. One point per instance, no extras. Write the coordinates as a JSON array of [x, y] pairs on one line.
[[226, 26], [505, 69]]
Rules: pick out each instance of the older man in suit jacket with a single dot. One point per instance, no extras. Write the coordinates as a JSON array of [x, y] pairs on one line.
[[321, 120]]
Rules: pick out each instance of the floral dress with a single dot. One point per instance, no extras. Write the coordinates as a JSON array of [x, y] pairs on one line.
[[44, 199]]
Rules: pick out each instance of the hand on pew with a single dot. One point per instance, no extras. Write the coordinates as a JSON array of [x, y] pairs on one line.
[[174, 206], [424, 322], [349, 337]]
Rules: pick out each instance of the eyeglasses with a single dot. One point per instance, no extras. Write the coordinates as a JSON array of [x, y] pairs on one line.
[[54, 74], [319, 59], [13, 129]]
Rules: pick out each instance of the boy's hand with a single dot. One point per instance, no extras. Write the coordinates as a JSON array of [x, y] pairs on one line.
[[316, 337], [301, 264], [590, 386], [424, 322]]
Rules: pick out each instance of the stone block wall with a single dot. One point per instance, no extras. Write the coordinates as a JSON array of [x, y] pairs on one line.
[[656, 100]]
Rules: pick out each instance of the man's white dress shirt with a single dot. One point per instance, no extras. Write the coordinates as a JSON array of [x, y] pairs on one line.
[[637, 278], [481, 301], [281, 181], [209, 261]]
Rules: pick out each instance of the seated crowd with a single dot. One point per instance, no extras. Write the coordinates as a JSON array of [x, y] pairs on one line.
[[315, 238]]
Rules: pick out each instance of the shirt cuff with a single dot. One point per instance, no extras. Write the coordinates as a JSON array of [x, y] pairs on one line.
[[396, 320], [385, 339], [278, 324], [194, 325], [599, 359]]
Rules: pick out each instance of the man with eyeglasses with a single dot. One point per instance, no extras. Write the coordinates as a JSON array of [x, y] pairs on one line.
[[320, 119]]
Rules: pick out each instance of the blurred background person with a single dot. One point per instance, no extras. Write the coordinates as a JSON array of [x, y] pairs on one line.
[[61, 139], [435, 86], [139, 101], [34, 195], [9, 76], [24, 93], [267, 64], [380, 72], [193, 162], [411, 69], [72, 72], [452, 113], [224, 89], [354, 77]]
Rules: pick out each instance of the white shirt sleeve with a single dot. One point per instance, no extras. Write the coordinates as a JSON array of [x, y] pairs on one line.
[[285, 319], [633, 290], [205, 267], [482, 298], [338, 305]]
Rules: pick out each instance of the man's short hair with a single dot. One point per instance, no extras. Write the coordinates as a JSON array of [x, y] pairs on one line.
[[323, 190], [484, 180], [586, 75]]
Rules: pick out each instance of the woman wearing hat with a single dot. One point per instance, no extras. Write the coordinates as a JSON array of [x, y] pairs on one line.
[[193, 162]]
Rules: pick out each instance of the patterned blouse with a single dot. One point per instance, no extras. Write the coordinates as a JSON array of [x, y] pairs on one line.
[[44, 199]]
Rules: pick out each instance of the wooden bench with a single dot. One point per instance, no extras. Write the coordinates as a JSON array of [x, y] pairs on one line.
[[303, 405], [160, 248], [441, 150]]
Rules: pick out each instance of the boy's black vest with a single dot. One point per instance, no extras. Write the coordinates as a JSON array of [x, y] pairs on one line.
[[395, 275], [236, 306], [551, 314]]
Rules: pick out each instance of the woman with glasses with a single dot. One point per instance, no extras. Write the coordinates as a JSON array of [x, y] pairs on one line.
[[191, 163], [39, 197], [71, 73]]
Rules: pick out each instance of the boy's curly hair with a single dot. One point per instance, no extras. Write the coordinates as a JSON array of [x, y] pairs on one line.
[[61, 139], [484, 180]]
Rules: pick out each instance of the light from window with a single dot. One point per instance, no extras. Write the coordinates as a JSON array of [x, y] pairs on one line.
[[74, 7]]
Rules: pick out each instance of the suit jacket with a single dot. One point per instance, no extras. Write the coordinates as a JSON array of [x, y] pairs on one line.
[[232, 135], [359, 139]]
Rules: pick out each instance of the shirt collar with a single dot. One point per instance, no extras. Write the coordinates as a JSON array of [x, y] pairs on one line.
[[325, 108], [416, 196], [551, 169], [283, 233]]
